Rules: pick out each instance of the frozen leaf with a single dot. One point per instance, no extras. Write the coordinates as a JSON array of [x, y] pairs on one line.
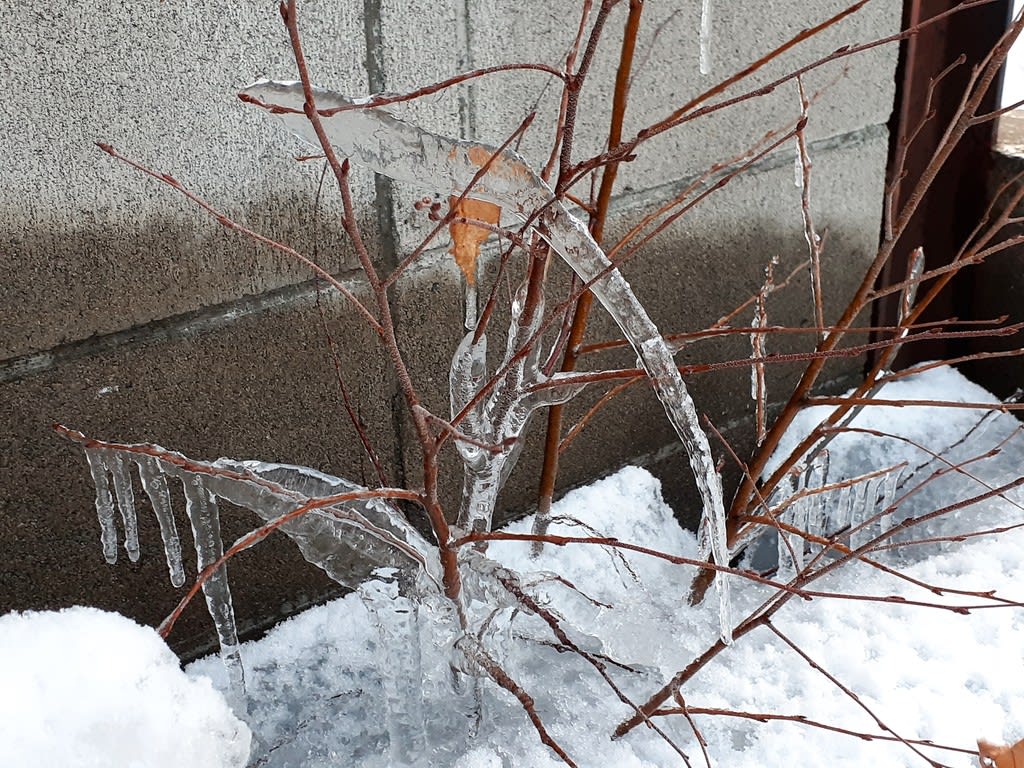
[[466, 237]]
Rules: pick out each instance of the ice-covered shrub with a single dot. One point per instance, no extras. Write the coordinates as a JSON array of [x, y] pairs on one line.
[[476, 608]]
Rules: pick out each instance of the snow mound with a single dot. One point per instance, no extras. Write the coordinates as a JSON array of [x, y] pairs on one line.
[[83, 688]]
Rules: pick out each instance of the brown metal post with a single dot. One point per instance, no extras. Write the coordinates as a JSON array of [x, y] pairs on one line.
[[957, 199]]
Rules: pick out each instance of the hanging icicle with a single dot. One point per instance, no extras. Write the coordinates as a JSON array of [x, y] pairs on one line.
[[705, 37]]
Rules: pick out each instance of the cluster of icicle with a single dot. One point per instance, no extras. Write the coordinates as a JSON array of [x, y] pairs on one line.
[[347, 539], [377, 140], [856, 510], [336, 537]]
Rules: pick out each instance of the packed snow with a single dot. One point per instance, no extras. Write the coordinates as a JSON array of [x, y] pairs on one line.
[[94, 689], [83, 688]]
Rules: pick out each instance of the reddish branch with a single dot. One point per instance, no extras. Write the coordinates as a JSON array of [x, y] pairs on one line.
[[449, 564], [767, 717], [553, 444]]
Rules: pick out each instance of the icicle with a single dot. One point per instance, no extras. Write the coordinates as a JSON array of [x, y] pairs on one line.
[[798, 171], [399, 658], [155, 485], [104, 504], [470, 317], [125, 503], [791, 545], [448, 676], [843, 515], [889, 488], [467, 374], [705, 37], [863, 509], [817, 504], [201, 508]]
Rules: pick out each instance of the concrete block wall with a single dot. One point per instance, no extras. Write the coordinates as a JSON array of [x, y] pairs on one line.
[[129, 314]]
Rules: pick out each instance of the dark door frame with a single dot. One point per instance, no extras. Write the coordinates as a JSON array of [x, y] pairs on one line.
[[957, 199]]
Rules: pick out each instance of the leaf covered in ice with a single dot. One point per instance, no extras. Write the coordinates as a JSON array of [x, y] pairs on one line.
[[467, 237]]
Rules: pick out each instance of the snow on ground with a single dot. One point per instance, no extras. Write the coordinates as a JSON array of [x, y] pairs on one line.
[[82, 688], [316, 695]]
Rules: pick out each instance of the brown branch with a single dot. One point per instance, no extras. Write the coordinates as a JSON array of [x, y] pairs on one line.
[[257, 535], [452, 579], [957, 128], [686, 113], [503, 679], [552, 442], [385, 99], [849, 693], [765, 717], [548, 617]]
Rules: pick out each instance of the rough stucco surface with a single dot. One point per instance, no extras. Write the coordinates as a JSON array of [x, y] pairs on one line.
[[127, 313]]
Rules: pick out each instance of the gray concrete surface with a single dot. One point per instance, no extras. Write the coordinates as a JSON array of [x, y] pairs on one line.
[[129, 314]]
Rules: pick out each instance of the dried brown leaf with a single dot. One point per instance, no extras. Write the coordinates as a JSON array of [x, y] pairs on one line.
[[1000, 755], [466, 237]]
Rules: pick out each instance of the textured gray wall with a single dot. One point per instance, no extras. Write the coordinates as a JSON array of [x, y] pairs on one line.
[[127, 313]]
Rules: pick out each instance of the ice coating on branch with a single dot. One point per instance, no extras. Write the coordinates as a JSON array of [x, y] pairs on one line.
[[338, 537], [154, 483], [705, 37], [499, 417], [467, 375], [104, 503], [333, 536]]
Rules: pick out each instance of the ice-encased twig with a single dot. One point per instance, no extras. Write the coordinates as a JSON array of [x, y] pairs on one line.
[[327, 537], [499, 418], [384, 144]]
